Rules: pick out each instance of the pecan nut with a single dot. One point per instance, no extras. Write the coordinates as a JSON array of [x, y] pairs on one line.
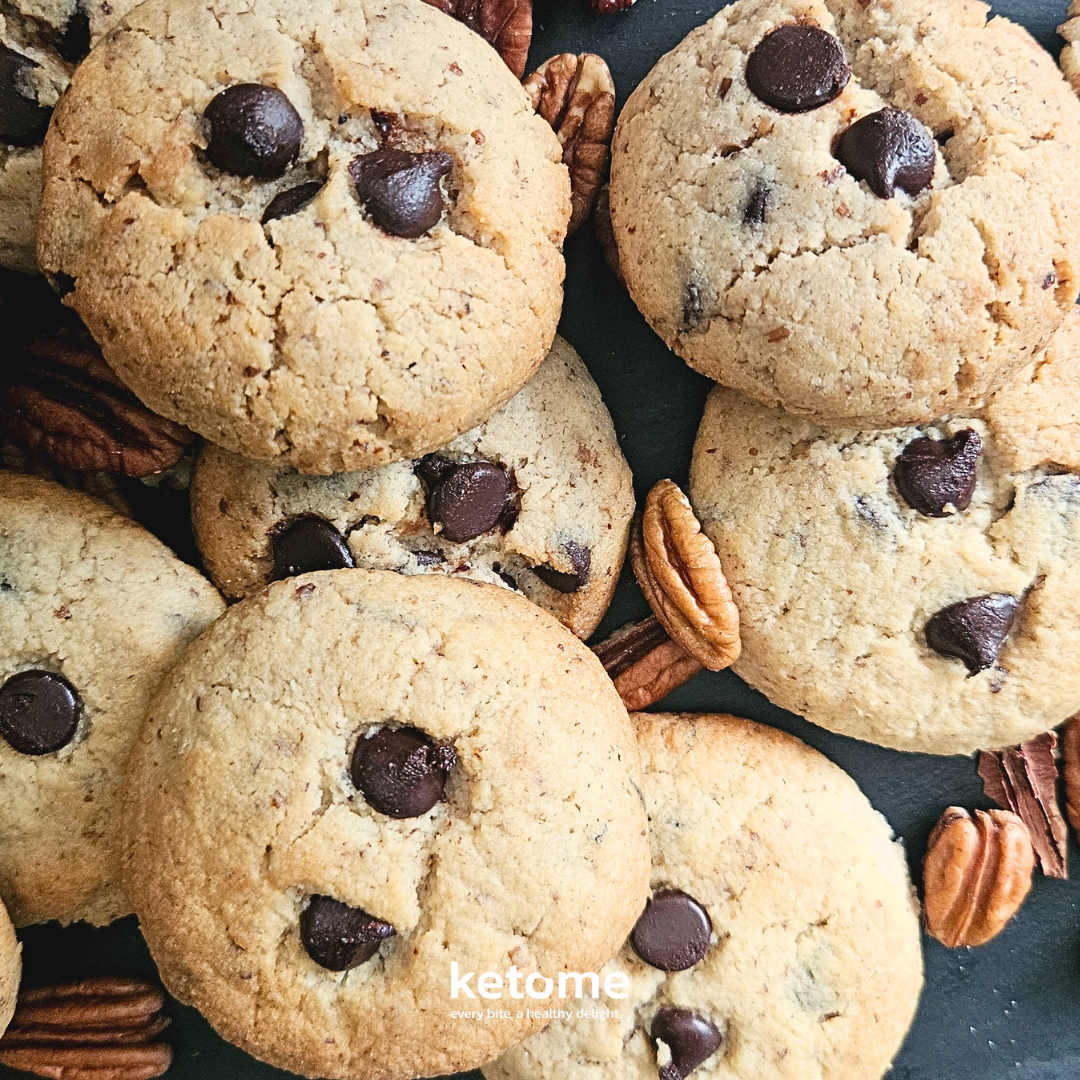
[[610, 7], [504, 24], [605, 234], [644, 663], [1070, 55], [976, 873], [1070, 770], [576, 96], [680, 574]]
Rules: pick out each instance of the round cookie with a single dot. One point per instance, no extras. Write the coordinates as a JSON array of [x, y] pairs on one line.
[[543, 479], [888, 256], [782, 937], [265, 787], [389, 276], [10, 969], [93, 612], [922, 595]]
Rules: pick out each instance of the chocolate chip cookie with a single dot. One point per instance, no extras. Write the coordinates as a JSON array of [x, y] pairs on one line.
[[918, 587], [357, 784], [93, 613], [864, 213], [538, 498], [10, 969], [782, 935], [323, 235]]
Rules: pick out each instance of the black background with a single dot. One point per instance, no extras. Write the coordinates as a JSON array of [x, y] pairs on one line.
[[1008, 1009]]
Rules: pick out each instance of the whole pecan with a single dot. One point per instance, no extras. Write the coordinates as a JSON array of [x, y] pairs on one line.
[[644, 663], [679, 572], [576, 96], [976, 873], [504, 24]]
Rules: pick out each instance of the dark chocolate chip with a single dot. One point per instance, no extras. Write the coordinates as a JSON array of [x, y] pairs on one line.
[[309, 543], [430, 467], [973, 630], [253, 130], [400, 189], [23, 121], [385, 123], [693, 306], [673, 931], [429, 558], [74, 43], [580, 559], [758, 204], [889, 149], [690, 1038], [400, 771], [933, 475], [339, 937], [39, 712], [467, 500], [796, 68], [288, 202]]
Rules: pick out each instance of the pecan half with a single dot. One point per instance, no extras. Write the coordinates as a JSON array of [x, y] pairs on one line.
[[1070, 55], [504, 24], [679, 572], [644, 663], [605, 234], [96, 1029], [1070, 770], [976, 873], [576, 96]]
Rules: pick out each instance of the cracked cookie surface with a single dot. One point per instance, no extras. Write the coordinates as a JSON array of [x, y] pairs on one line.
[[845, 588], [813, 967], [537, 857], [766, 265], [317, 340]]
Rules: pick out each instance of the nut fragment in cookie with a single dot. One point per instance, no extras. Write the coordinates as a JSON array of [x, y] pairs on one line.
[[22, 121], [308, 544], [673, 931], [506, 25], [400, 189], [39, 712], [337, 936], [580, 558], [253, 130], [468, 499], [689, 1037], [290, 201], [797, 67], [973, 630], [889, 149], [400, 771], [936, 477]]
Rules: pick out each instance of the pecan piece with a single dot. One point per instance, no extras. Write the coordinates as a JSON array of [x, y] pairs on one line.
[[1070, 770], [644, 663], [605, 234], [976, 873], [610, 7], [504, 24], [679, 572], [97, 1029], [576, 96]]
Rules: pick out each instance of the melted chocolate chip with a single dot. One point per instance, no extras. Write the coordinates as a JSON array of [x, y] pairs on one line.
[[254, 130], [431, 467], [400, 190], [673, 931], [307, 544], [288, 202], [796, 68], [757, 207], [690, 1038], [934, 475], [580, 559], [39, 712], [400, 771], [23, 121], [973, 630], [467, 500], [74, 43], [339, 937], [889, 149]]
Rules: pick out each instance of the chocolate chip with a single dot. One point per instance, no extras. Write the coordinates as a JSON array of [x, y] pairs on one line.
[[673, 931], [74, 43], [385, 123], [400, 189], [889, 149], [288, 202], [973, 630], [580, 559], [254, 130], [339, 937], [431, 467], [758, 205], [429, 558], [937, 476], [693, 307], [400, 771], [467, 500], [309, 543], [39, 712], [690, 1038], [796, 68], [23, 121]]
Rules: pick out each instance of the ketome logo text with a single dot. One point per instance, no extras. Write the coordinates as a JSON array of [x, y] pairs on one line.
[[491, 984]]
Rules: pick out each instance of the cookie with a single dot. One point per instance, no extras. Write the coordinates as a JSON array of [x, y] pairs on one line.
[[357, 784], [538, 498], [93, 612], [863, 213], [377, 277], [782, 935], [10, 969], [918, 587]]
